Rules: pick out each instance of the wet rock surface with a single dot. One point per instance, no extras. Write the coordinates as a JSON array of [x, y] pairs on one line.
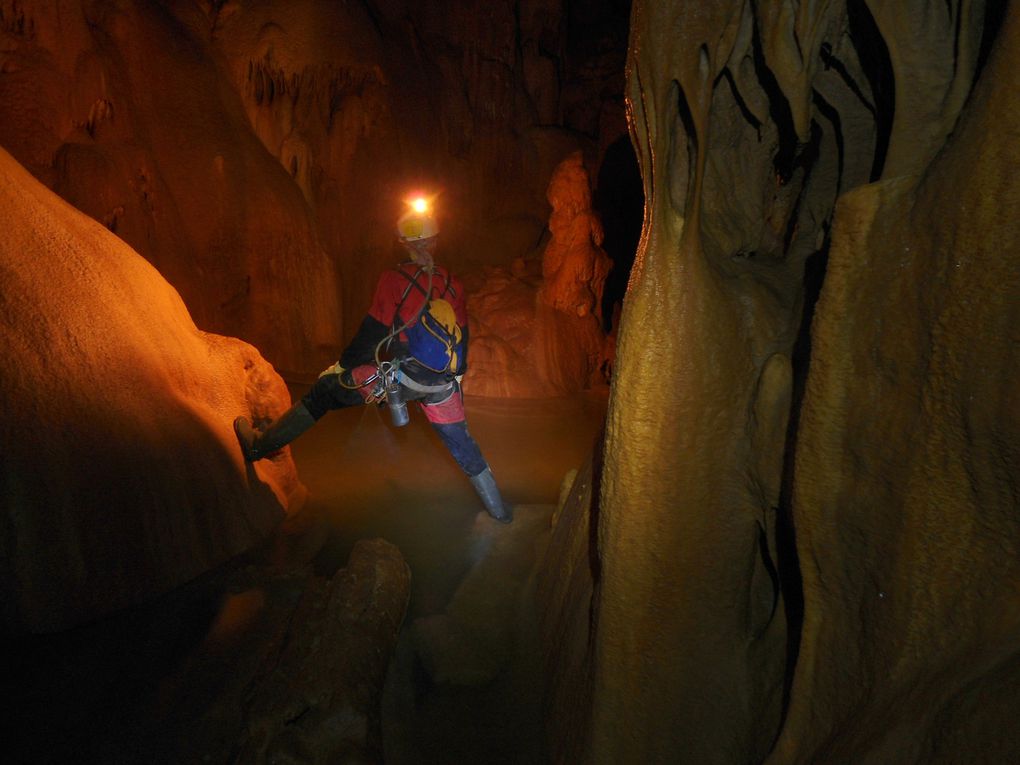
[[465, 683], [233, 660], [914, 506], [800, 542]]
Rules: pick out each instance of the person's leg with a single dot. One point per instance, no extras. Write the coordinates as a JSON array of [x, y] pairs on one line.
[[447, 419], [462, 446], [327, 393], [258, 444]]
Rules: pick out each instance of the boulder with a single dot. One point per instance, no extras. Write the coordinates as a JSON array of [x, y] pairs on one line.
[[120, 476], [317, 698]]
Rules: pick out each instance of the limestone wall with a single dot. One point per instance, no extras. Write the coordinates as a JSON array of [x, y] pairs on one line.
[[788, 148]]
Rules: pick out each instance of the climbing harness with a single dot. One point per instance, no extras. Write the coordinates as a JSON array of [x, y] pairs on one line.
[[388, 378], [394, 332]]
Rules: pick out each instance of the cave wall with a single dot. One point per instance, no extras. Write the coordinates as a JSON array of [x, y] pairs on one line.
[[908, 459], [259, 153], [120, 109], [120, 475], [757, 125]]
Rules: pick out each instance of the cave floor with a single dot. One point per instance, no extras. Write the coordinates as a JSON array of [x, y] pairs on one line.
[[464, 684]]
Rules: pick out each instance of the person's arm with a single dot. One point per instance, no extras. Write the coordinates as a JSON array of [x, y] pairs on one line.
[[361, 349], [375, 326]]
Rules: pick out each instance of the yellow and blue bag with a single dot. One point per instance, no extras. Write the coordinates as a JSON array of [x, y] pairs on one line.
[[436, 340]]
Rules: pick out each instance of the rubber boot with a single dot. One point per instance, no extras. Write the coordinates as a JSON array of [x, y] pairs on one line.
[[256, 445], [485, 485]]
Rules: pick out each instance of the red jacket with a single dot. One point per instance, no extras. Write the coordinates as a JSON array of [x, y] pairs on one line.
[[399, 296], [396, 290]]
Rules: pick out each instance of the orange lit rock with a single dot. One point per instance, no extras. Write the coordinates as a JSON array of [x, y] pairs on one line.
[[121, 476], [123, 112], [257, 152], [522, 348], [534, 337], [574, 266]]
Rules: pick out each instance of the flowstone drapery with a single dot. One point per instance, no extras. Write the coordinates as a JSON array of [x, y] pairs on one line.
[[774, 138]]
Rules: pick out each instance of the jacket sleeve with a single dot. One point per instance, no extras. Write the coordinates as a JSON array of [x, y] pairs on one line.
[[361, 349]]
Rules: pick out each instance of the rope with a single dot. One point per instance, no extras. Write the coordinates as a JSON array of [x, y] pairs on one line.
[[396, 332]]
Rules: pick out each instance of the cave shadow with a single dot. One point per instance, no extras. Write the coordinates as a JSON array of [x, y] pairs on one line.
[[788, 563], [878, 69], [619, 200], [82, 694], [108, 689], [995, 13]]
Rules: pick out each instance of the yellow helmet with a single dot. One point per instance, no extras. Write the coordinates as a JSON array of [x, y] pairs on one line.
[[417, 223]]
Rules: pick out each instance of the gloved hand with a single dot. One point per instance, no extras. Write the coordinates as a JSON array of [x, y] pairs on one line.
[[335, 369]]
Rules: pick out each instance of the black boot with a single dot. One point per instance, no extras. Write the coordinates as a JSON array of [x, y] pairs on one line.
[[485, 485], [256, 445]]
